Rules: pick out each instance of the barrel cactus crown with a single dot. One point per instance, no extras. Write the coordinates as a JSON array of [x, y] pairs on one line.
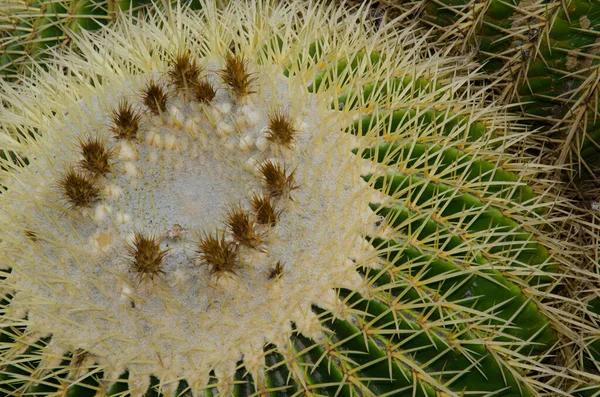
[[275, 200]]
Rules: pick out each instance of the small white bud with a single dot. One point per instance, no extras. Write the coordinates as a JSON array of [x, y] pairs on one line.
[[244, 110], [229, 145], [251, 116], [215, 115], [131, 169], [126, 293], [153, 138], [100, 212], [177, 116], [261, 143], [123, 218], [190, 126], [113, 191], [126, 290], [170, 141], [127, 152], [254, 118], [246, 142], [251, 164]]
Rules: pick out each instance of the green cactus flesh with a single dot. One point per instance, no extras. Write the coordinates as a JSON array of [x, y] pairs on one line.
[[457, 280], [43, 24], [33, 28], [543, 51]]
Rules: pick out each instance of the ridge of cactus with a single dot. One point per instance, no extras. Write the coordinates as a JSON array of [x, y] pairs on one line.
[[544, 55], [30, 28], [280, 199]]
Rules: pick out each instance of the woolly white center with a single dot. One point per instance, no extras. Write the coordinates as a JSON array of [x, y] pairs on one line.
[[176, 182]]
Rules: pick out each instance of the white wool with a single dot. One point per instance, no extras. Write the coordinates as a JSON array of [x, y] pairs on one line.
[[170, 142], [123, 218], [113, 191], [224, 129], [100, 212], [131, 169], [177, 117], [153, 138], [223, 107]]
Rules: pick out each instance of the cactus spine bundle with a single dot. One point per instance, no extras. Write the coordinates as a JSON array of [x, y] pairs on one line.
[[276, 200]]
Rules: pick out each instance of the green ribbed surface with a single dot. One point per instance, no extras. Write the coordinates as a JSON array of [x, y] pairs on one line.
[[29, 30], [441, 308], [545, 52]]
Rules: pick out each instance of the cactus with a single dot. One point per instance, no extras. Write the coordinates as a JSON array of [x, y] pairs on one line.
[[277, 200], [542, 52], [29, 29]]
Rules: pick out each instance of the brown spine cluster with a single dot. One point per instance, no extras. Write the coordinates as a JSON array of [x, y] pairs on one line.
[[146, 256], [155, 97], [126, 121], [185, 75], [276, 271], [236, 75], [241, 227], [96, 156], [79, 189], [244, 228], [184, 71], [203, 91], [264, 208], [220, 255], [276, 180], [281, 129]]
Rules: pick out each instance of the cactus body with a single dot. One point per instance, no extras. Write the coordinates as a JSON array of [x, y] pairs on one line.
[[29, 29], [543, 52], [413, 247]]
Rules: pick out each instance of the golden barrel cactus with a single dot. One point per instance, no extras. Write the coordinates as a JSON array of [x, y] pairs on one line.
[[277, 200]]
